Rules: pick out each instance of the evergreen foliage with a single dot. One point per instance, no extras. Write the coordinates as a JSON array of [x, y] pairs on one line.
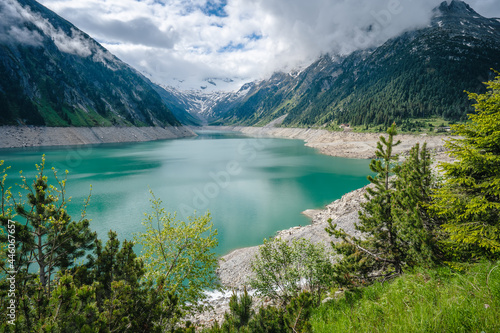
[[396, 228], [417, 229], [48, 240], [240, 312], [56, 291], [378, 249], [469, 199]]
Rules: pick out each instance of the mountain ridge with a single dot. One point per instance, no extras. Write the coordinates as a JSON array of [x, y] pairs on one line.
[[54, 74], [420, 73]]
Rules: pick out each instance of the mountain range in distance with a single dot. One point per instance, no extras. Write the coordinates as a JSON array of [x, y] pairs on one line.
[[53, 74]]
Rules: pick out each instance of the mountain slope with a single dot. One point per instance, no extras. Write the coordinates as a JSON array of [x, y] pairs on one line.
[[53, 74], [417, 74]]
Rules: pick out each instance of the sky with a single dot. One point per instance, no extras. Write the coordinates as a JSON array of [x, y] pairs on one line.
[[181, 43]]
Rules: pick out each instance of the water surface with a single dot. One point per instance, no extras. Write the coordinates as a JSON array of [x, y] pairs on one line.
[[253, 187]]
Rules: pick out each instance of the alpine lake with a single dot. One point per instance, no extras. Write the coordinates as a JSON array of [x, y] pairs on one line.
[[252, 187]]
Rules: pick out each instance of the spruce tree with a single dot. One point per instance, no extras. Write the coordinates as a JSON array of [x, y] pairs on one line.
[[417, 230], [378, 249], [469, 200]]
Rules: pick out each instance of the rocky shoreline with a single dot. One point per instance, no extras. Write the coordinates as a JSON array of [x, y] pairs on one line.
[[342, 144], [30, 136]]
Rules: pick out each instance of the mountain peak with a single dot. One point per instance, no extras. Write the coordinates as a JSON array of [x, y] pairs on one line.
[[456, 7]]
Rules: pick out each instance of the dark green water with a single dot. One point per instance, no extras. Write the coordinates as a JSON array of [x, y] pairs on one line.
[[252, 187]]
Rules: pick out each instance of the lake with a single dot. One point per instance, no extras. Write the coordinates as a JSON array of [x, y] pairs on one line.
[[252, 187]]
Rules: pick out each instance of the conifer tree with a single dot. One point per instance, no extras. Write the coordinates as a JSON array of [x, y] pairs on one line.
[[469, 199], [378, 249], [240, 311], [417, 230], [398, 230], [56, 240]]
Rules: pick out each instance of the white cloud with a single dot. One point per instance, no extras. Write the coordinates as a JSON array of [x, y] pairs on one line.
[[247, 39]]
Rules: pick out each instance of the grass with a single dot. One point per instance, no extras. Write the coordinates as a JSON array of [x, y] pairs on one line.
[[440, 300]]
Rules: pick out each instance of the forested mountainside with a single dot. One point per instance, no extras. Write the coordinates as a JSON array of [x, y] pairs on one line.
[[53, 74], [418, 74]]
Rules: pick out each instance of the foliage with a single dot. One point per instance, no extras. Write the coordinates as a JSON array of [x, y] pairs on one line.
[[268, 319], [47, 239], [417, 230], [282, 270], [378, 248], [290, 319], [425, 300], [179, 252], [240, 312], [298, 313], [56, 292], [397, 230], [469, 199]]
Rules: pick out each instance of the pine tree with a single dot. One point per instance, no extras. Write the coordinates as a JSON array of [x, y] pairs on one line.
[[416, 228], [240, 312], [47, 238], [469, 199], [378, 249]]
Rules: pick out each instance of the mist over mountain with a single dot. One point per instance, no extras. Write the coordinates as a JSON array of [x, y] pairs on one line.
[[51, 73], [419, 73]]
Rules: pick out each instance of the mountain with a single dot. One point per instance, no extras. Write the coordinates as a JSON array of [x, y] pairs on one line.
[[418, 74], [53, 74]]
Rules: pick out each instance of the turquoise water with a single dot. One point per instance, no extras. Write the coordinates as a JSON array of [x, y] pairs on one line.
[[253, 187]]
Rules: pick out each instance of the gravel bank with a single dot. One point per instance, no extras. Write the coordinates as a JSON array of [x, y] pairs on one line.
[[28, 136], [234, 268], [343, 144]]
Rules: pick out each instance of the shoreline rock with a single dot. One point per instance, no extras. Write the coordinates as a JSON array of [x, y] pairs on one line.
[[35, 136], [342, 144]]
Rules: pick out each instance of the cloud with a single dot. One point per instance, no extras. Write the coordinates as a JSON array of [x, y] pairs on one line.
[[20, 25], [191, 40], [15, 18], [11, 29], [137, 31]]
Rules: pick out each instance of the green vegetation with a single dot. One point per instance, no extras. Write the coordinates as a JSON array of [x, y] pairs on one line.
[[283, 270], [180, 253], [428, 259], [469, 198], [437, 300], [60, 278], [431, 126]]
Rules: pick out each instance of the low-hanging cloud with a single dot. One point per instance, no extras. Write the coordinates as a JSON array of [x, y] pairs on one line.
[[11, 29], [21, 25], [247, 39]]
